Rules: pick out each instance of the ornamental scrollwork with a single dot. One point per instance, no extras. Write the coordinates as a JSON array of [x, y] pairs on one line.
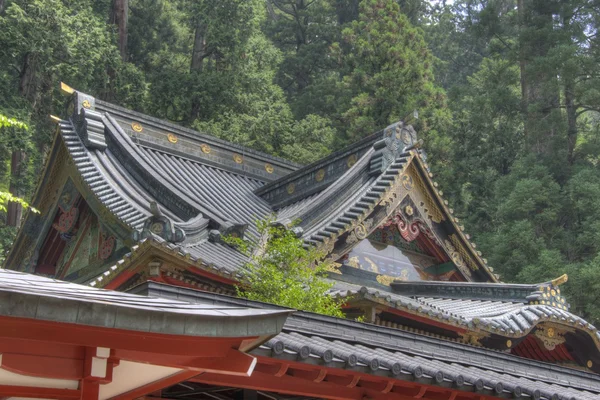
[[550, 336], [360, 232]]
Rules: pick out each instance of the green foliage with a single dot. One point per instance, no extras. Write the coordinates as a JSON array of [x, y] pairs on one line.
[[11, 131], [389, 73], [284, 272]]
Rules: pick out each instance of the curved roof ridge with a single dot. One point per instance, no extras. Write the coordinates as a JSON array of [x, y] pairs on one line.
[[185, 206], [303, 175], [193, 134], [336, 189]]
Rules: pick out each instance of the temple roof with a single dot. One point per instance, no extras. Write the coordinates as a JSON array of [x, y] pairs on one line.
[[141, 170], [36, 297], [358, 347], [511, 316]]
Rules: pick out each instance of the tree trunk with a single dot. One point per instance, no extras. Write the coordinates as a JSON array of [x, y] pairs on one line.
[[2, 4], [120, 18], [199, 50], [15, 210], [26, 78], [199, 53], [539, 87], [27, 89]]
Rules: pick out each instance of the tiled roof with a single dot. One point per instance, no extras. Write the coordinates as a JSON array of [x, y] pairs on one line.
[[95, 172], [359, 347], [30, 296], [217, 258], [502, 317]]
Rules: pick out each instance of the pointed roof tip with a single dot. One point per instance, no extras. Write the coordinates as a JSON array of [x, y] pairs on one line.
[[560, 280], [66, 89]]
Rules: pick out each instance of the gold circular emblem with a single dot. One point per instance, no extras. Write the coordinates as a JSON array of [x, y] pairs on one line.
[[351, 160], [238, 158], [172, 138], [409, 210], [361, 231], [550, 332], [290, 188], [407, 182], [509, 343], [136, 126], [269, 168], [562, 300], [156, 228], [205, 148], [590, 364], [320, 175], [553, 292], [86, 104]]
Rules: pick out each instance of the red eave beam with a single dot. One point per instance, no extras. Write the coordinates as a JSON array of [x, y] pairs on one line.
[[143, 342]]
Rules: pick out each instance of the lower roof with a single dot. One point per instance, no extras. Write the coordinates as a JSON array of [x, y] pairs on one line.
[[344, 344], [35, 297]]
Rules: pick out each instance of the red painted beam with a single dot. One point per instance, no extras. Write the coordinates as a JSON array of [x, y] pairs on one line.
[[228, 361], [80, 335], [38, 392]]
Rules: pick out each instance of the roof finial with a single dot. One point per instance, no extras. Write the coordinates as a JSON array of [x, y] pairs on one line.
[[560, 280]]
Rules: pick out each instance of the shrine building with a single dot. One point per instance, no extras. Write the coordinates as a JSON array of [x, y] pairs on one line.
[[123, 286]]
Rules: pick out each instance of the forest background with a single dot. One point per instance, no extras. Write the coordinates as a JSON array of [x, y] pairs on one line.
[[507, 92]]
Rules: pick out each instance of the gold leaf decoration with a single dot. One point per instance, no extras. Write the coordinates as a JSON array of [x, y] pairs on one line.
[[269, 168], [463, 252], [86, 104], [320, 175], [238, 158], [407, 182], [351, 160], [205, 148], [385, 279], [172, 138], [136, 126]]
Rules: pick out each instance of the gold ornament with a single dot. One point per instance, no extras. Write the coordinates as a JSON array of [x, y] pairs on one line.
[[351, 160], [290, 188], [385, 279], [172, 138], [560, 280], [269, 168], [408, 210], [238, 158], [205, 148], [86, 104], [590, 364], [136, 126], [509, 343], [407, 182], [320, 175], [361, 232]]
